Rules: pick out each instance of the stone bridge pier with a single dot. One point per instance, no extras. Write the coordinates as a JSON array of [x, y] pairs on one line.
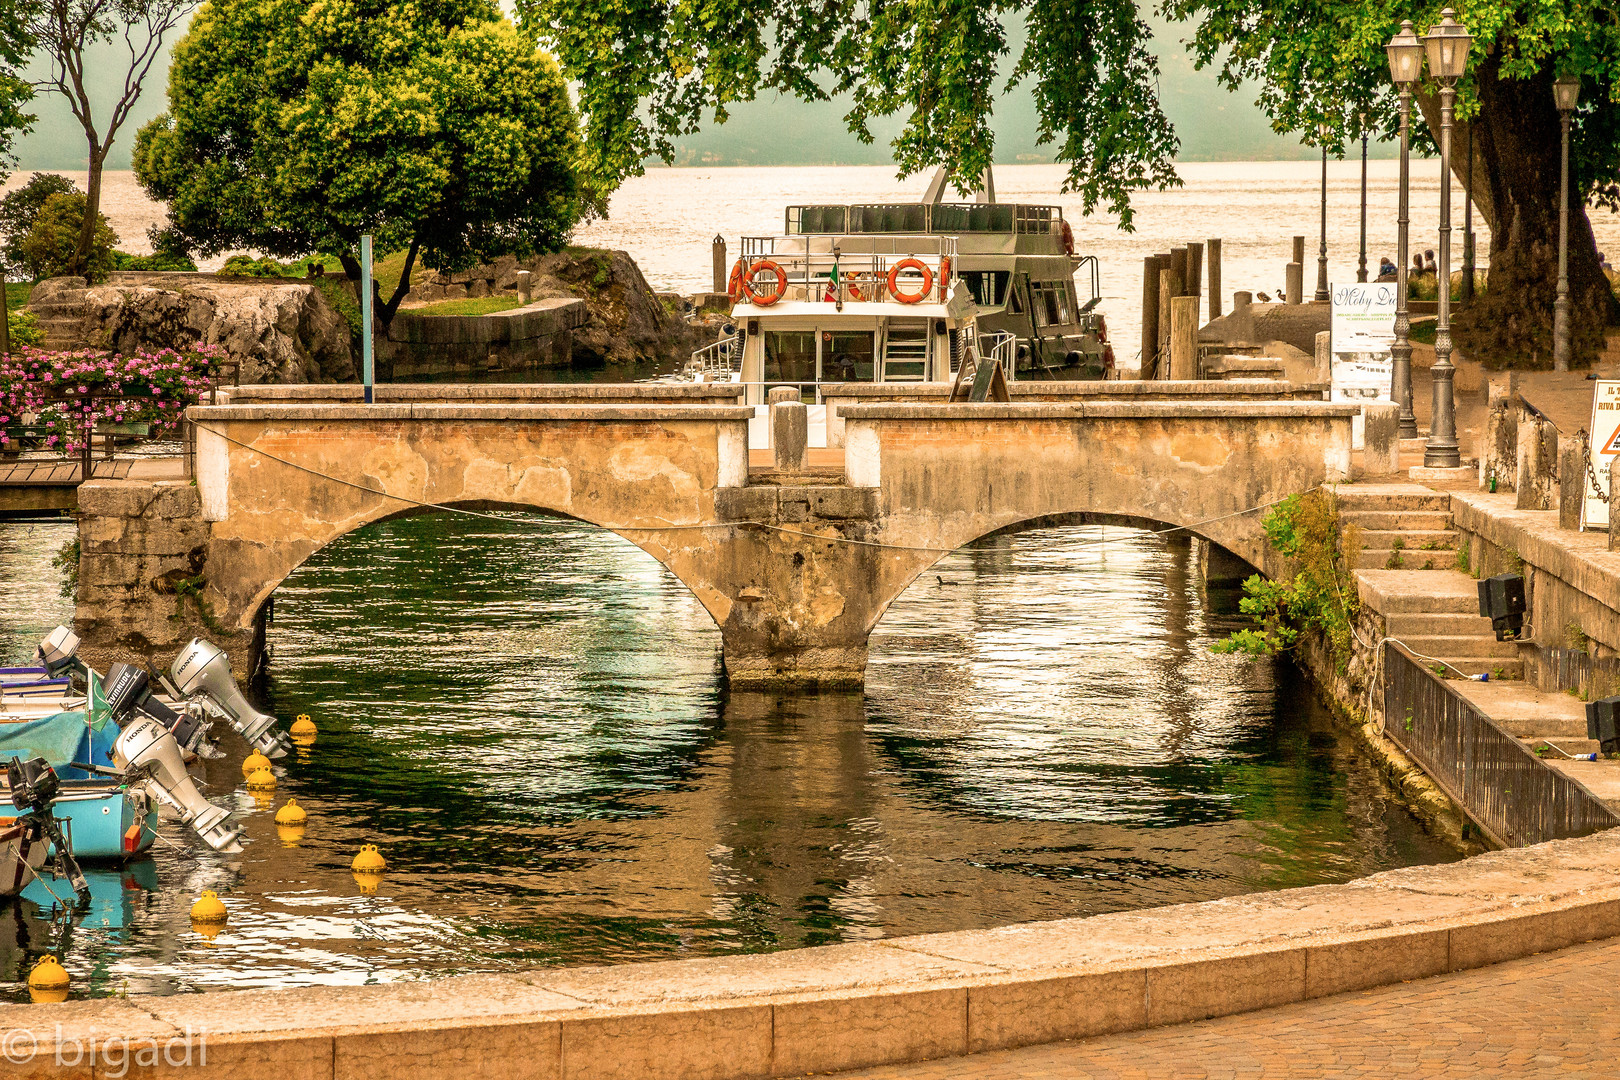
[[794, 574]]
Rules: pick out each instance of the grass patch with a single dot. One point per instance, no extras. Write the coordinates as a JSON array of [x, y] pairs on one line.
[[17, 294], [484, 305], [1423, 333]]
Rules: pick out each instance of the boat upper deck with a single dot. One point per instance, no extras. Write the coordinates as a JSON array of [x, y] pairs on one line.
[[987, 228]]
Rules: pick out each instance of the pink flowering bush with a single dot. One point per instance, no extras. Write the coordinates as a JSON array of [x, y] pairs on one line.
[[61, 392]]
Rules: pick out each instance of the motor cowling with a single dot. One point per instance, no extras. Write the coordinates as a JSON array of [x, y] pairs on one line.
[[59, 652], [127, 690], [146, 749], [203, 670]]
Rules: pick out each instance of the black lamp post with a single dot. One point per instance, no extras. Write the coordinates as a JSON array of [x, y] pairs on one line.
[[1566, 91], [1322, 297], [1361, 266], [1447, 45], [1405, 68]]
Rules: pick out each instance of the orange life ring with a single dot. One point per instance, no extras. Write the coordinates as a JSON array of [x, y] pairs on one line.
[[734, 286], [748, 283], [1068, 236], [944, 277], [894, 281]]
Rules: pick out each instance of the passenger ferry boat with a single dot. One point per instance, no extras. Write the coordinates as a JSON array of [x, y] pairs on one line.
[[904, 293]]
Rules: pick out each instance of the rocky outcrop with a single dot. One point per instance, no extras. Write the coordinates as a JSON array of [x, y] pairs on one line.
[[626, 322], [282, 331]]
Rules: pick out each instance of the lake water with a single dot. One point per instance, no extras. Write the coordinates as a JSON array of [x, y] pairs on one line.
[[528, 716]]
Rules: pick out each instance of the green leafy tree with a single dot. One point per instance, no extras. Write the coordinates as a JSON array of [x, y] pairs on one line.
[[651, 70], [67, 33], [294, 128], [20, 209], [51, 247]]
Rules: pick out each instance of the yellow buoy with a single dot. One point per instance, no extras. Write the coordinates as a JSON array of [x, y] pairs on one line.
[[290, 835], [369, 861], [262, 780], [255, 761], [368, 883], [48, 982], [209, 908], [303, 728], [291, 814], [208, 931]]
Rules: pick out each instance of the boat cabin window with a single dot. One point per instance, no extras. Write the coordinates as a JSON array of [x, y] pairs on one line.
[[989, 287], [790, 356], [848, 356], [1053, 302]]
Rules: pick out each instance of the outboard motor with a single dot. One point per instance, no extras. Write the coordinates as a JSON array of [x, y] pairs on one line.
[[203, 670], [127, 688], [34, 785], [147, 751], [59, 652]]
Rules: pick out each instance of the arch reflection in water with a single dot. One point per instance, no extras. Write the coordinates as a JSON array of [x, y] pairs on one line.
[[529, 716]]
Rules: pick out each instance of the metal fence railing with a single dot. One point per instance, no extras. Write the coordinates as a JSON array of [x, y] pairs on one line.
[[1515, 798]]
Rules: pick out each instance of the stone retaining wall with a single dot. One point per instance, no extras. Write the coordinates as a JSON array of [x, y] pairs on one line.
[[901, 1000], [538, 335]]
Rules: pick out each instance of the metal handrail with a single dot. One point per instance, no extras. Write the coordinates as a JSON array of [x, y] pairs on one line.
[[724, 357]]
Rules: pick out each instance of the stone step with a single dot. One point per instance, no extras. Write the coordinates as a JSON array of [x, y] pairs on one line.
[[1580, 745], [1397, 520], [1411, 539], [1497, 667], [1446, 646], [1385, 559], [1433, 624], [1437, 592], [1391, 497]]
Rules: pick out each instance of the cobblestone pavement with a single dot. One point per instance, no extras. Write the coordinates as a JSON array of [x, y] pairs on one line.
[[1552, 1015]]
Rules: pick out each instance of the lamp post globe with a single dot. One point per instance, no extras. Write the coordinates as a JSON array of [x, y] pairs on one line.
[[1446, 45], [1566, 92], [1405, 51]]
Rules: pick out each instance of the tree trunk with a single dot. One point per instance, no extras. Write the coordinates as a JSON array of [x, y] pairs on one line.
[[1517, 139], [92, 212]]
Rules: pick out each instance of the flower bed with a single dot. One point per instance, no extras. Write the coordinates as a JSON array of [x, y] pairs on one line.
[[49, 400]]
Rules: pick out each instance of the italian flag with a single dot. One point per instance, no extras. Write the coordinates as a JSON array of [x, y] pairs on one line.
[[832, 285]]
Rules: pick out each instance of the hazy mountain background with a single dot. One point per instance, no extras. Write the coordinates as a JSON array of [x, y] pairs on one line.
[[1214, 125]]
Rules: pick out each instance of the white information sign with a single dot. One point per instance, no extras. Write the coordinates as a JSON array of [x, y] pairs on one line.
[[1605, 429], [1363, 329]]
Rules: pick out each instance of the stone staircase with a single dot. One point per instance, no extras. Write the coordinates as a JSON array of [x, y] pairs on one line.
[[61, 313], [1407, 573]]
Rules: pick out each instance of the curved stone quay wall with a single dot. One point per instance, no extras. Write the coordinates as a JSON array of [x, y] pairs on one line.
[[795, 570], [851, 1006]]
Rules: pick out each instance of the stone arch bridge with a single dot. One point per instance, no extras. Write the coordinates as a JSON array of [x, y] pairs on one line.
[[795, 570]]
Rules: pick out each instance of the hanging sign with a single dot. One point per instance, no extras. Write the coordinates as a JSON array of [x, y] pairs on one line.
[[1605, 447], [1362, 329]]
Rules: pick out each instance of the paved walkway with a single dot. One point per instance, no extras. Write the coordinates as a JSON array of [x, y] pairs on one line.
[[1552, 1015]]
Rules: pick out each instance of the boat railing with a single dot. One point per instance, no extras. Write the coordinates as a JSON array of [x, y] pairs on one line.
[[1001, 347], [724, 357], [951, 218], [812, 265]]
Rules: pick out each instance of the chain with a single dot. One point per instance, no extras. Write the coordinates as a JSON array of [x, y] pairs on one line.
[[1591, 474]]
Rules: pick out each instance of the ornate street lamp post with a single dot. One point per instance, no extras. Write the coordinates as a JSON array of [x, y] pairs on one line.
[[1566, 91], [1322, 297], [1447, 46], [1405, 68], [1361, 266]]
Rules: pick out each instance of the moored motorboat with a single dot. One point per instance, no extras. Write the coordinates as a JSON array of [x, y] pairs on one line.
[[22, 852]]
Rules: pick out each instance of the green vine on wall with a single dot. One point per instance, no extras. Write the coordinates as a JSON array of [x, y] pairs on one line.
[[1321, 594], [66, 560], [191, 589]]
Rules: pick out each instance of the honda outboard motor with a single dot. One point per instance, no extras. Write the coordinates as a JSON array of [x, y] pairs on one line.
[[60, 653], [146, 750], [127, 688], [203, 670]]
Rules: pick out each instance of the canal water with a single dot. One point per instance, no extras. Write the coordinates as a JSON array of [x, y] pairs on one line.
[[527, 716]]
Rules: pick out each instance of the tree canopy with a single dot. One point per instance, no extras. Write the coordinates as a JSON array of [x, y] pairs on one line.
[[294, 128], [651, 70]]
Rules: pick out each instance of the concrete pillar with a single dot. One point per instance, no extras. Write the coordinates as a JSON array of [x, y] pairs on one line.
[[1152, 267], [1219, 568], [1381, 438], [1294, 282], [1213, 247], [1184, 338], [525, 287], [790, 433], [719, 249], [1324, 356], [1537, 454], [1299, 250], [1242, 320], [1571, 484], [1501, 449], [1500, 389]]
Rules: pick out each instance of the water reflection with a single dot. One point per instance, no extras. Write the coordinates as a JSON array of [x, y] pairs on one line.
[[528, 716]]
